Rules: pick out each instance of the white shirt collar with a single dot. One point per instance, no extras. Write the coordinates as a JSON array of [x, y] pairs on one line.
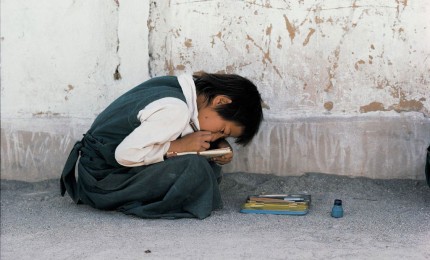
[[189, 89]]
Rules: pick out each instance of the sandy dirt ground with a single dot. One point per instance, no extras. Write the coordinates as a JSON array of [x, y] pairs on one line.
[[384, 219]]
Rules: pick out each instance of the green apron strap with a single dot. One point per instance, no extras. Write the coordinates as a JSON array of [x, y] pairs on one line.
[[68, 179]]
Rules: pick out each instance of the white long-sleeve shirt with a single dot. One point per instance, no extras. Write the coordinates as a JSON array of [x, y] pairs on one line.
[[162, 121]]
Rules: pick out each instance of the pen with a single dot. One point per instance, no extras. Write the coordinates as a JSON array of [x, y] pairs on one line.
[[193, 126]]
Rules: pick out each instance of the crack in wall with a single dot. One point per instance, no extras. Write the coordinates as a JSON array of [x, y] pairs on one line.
[[266, 54], [152, 22], [117, 74]]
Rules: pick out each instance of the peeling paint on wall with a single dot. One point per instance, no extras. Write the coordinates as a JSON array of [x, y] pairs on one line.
[[374, 106], [404, 105], [290, 28], [311, 31], [347, 55]]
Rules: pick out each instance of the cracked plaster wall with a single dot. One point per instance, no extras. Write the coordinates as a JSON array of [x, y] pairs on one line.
[[346, 82], [62, 62], [66, 59], [306, 56]]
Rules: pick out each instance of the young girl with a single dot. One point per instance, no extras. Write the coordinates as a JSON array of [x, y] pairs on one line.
[[122, 158]]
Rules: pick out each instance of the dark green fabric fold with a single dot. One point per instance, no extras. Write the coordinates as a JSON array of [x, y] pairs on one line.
[[68, 179], [183, 186]]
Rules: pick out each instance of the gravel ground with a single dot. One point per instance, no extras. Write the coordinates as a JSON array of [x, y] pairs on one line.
[[384, 219]]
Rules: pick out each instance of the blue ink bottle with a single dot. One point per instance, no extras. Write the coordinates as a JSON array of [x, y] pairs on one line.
[[337, 210]]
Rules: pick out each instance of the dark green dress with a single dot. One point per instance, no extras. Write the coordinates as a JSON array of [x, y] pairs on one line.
[[179, 187]]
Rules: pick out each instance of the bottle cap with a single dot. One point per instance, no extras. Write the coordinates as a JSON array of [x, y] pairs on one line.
[[338, 202]]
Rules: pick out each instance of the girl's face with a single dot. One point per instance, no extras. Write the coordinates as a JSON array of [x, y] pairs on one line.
[[210, 120]]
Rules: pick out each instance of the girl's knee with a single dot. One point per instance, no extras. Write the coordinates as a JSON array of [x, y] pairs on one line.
[[192, 160], [198, 160]]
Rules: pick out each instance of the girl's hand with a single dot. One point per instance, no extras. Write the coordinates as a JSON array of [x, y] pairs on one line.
[[194, 142], [222, 143]]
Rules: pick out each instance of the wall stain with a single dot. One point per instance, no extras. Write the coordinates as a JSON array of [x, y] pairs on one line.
[[311, 31], [180, 67], [360, 62], [404, 105], [27, 155], [279, 45], [45, 114], [168, 66], [290, 28], [334, 60], [373, 106], [213, 38], [229, 69], [318, 20], [117, 74], [332, 70], [269, 30], [150, 25], [68, 90], [400, 2], [381, 83], [176, 32], [354, 5], [266, 55], [219, 36], [265, 5], [188, 43], [328, 105]]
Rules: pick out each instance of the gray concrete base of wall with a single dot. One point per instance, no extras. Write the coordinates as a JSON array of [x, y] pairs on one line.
[[382, 145]]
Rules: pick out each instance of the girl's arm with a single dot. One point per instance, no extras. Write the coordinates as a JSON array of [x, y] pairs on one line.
[[162, 121]]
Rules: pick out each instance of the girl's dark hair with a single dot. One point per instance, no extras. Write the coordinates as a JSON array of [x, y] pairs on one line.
[[245, 108]]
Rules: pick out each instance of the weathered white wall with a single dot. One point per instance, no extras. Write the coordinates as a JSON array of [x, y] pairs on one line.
[[59, 57], [338, 77], [61, 63], [378, 145], [307, 56], [346, 82]]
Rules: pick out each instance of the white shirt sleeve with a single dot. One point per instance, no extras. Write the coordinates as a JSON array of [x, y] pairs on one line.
[[162, 121]]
